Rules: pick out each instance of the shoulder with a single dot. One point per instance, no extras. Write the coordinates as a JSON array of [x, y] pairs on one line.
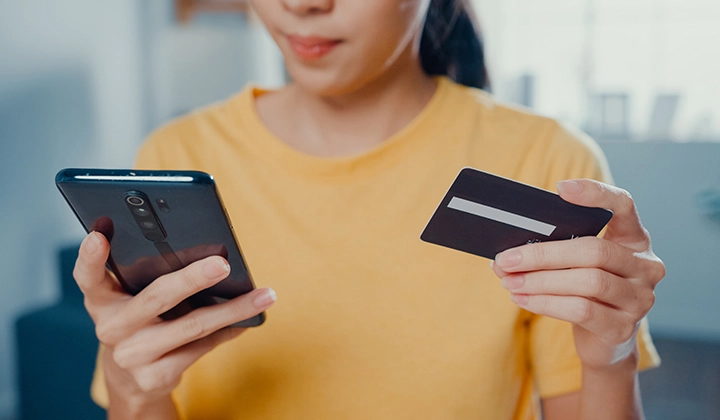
[[531, 146], [511, 119], [185, 139]]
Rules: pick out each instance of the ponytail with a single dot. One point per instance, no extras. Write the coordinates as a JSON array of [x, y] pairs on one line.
[[451, 44]]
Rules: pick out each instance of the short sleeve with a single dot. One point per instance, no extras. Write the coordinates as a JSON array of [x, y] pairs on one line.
[[554, 362], [572, 154], [149, 156], [98, 389]]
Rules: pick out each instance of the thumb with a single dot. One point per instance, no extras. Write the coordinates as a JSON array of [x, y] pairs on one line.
[[625, 227]]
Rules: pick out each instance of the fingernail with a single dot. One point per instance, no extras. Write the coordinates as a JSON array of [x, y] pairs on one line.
[[513, 282], [520, 300], [265, 299], [508, 259], [570, 187], [216, 267], [92, 244]]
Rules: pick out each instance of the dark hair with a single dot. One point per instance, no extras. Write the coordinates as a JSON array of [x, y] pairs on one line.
[[451, 44]]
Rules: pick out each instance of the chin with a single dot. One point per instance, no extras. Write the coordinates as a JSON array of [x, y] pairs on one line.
[[327, 82]]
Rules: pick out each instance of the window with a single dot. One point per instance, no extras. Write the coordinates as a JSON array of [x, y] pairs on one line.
[[628, 70]]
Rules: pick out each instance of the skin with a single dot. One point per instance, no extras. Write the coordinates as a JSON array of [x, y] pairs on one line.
[[367, 89], [604, 287]]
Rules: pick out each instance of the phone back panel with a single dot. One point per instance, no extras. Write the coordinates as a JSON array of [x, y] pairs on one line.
[[191, 216]]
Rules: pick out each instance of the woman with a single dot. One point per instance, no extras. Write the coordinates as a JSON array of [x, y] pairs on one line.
[[330, 181]]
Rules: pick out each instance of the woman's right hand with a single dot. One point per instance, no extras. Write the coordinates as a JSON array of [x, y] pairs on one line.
[[145, 356]]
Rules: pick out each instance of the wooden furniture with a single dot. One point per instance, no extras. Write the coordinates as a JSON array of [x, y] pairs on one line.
[[186, 9]]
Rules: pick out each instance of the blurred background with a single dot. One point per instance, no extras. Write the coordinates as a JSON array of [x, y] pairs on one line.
[[82, 82]]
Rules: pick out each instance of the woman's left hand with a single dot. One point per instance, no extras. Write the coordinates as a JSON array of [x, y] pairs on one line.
[[603, 286]]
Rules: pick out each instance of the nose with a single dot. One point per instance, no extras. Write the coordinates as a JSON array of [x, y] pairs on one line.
[[309, 7]]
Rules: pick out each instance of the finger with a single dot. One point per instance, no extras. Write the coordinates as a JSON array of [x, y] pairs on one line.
[[154, 341], [609, 323], [589, 283], [202, 251], [497, 270], [625, 226], [586, 252], [90, 273], [168, 291], [165, 372]]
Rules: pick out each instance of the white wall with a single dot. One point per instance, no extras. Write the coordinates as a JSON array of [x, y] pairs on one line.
[[668, 181], [640, 47], [69, 95], [82, 82], [191, 65]]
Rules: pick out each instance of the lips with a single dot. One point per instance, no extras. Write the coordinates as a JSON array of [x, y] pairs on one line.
[[312, 47]]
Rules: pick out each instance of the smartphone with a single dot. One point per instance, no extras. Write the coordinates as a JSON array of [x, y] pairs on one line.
[[158, 222]]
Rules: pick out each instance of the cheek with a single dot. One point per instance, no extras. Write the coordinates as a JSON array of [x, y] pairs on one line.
[[377, 35], [376, 31], [388, 26], [268, 11]]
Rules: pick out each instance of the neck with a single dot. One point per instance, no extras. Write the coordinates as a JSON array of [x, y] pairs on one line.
[[342, 125]]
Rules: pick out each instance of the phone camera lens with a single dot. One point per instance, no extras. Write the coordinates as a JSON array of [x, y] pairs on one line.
[[135, 201], [141, 211], [148, 225]]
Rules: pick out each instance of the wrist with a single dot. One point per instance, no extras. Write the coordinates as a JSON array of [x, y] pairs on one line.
[[141, 407], [627, 363], [126, 401]]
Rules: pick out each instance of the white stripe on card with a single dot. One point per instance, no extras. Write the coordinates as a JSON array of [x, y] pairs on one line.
[[501, 216]]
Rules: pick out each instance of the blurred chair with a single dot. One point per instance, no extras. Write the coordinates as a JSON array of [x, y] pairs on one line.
[[662, 117], [609, 116], [56, 348]]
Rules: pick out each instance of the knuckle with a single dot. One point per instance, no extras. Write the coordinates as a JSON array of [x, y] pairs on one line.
[[537, 283], [121, 358], [538, 253], [194, 280], [541, 302], [146, 380], [625, 333], [646, 240], [238, 311], [79, 275], [627, 204], [599, 283], [648, 301], [583, 311], [153, 301], [103, 332], [167, 378], [658, 271], [152, 378], [192, 328], [600, 253]]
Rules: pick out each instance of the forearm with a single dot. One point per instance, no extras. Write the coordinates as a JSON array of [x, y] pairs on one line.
[[611, 392]]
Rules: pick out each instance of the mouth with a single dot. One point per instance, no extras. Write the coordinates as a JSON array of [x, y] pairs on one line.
[[312, 47]]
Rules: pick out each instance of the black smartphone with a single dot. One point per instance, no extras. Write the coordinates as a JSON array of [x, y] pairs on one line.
[[158, 222]]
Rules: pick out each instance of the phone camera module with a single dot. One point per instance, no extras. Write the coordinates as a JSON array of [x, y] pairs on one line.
[[141, 211], [163, 205], [147, 225], [135, 201]]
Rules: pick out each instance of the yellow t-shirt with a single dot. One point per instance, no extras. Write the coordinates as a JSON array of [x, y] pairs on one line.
[[371, 322]]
